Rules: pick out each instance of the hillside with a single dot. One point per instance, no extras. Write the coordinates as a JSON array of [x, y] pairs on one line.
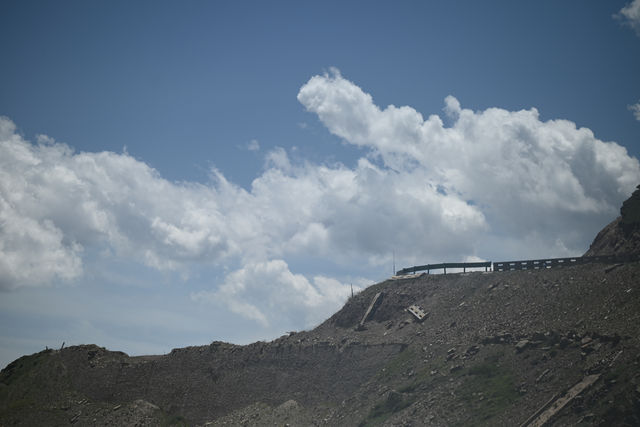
[[556, 346], [494, 348]]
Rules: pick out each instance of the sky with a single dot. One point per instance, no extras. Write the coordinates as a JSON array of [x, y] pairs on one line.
[[176, 173]]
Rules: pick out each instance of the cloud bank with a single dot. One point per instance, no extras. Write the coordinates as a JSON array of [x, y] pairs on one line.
[[492, 184]]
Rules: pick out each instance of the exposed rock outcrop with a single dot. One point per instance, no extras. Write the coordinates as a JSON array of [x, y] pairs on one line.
[[622, 235]]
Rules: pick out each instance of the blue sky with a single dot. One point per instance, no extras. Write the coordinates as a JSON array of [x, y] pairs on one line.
[[180, 172]]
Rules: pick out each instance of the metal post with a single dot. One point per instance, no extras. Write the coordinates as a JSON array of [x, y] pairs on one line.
[[394, 262]]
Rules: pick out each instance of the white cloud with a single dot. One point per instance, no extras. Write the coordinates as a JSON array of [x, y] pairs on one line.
[[33, 249], [494, 184], [54, 202], [635, 109], [253, 145], [268, 292], [630, 15], [521, 175]]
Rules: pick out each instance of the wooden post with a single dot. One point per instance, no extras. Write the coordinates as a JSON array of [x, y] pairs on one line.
[[371, 308]]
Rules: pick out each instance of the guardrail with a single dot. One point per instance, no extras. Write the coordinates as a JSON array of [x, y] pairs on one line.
[[445, 265], [536, 264], [530, 264]]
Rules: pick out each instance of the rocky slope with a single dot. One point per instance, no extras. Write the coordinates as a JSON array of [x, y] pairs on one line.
[[622, 235], [494, 348], [537, 347]]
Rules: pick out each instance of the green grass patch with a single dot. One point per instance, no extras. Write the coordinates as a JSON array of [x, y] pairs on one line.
[[488, 390], [395, 402]]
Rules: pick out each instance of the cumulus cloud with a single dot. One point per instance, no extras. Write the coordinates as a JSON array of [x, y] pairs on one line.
[[54, 203], [269, 292], [519, 175], [630, 15], [33, 249], [493, 184], [635, 109]]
